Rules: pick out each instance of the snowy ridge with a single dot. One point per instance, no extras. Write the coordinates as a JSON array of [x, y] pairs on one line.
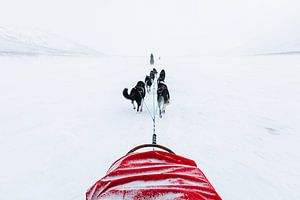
[[24, 42], [268, 45]]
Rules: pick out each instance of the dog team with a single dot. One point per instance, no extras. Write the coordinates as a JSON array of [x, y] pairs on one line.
[[138, 92]]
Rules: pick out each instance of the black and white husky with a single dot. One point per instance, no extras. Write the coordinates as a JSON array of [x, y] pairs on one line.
[[153, 74], [148, 83], [162, 76], [137, 94], [163, 97]]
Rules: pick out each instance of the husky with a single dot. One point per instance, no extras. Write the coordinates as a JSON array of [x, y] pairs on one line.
[[148, 83], [162, 76], [163, 97], [154, 71], [137, 94], [151, 59]]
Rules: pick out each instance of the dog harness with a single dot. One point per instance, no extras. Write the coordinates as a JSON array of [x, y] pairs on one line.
[[140, 90]]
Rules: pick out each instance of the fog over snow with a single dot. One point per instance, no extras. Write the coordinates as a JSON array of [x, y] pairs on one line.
[[135, 27]]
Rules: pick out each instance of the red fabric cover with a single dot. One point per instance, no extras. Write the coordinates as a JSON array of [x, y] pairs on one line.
[[153, 175]]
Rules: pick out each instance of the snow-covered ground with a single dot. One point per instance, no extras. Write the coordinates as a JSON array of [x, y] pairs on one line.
[[63, 121]]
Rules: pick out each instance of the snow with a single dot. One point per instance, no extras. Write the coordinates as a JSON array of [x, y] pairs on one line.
[[138, 27], [33, 42], [155, 184], [64, 121], [169, 196]]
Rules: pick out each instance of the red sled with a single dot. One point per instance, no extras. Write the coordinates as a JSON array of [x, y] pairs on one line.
[[153, 175]]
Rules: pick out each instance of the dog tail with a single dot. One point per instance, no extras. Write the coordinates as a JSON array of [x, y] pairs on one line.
[[126, 95]]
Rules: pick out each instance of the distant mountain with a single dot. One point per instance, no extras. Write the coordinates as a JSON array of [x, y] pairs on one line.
[[270, 45], [22, 42]]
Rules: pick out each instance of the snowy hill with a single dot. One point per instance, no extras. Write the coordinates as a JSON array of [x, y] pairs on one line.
[[24, 42], [271, 44], [64, 121]]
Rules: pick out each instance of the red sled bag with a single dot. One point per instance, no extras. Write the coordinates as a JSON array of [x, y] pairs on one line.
[[153, 175]]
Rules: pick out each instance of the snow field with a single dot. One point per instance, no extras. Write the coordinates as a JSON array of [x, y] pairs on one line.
[[64, 121]]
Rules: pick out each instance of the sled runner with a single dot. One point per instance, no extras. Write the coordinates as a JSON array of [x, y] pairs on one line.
[[151, 175]]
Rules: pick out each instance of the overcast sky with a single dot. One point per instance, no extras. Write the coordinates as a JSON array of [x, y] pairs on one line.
[[135, 27]]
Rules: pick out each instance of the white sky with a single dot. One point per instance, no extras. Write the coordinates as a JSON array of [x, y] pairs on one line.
[[167, 26]]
